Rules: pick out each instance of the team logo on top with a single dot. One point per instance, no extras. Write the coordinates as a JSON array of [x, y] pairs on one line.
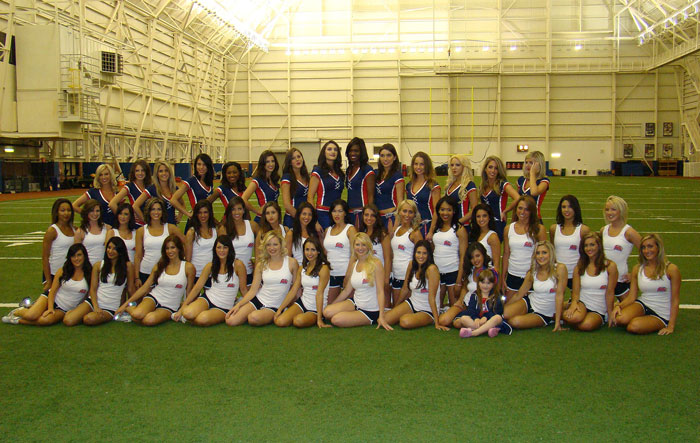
[[447, 243], [603, 287], [83, 291], [339, 245], [528, 244], [231, 285], [250, 245], [284, 281], [618, 248], [178, 286], [553, 290], [402, 248], [424, 290], [573, 248], [660, 289], [365, 281]]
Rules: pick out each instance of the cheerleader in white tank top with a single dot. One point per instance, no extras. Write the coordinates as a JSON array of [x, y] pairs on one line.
[[619, 239], [244, 244], [130, 243], [125, 228], [519, 241], [199, 242], [450, 245], [152, 245], [337, 245], [567, 233], [566, 248], [92, 232], [202, 251], [60, 236], [59, 248], [372, 224]]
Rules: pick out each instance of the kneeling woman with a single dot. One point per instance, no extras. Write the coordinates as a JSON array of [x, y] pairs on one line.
[[659, 283], [225, 274], [172, 276], [366, 279], [312, 278], [418, 302], [273, 276], [543, 306], [484, 311]]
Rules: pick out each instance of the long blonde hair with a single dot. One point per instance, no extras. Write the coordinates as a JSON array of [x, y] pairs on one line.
[[371, 261], [661, 260], [414, 208], [265, 256], [535, 267], [464, 179], [500, 178], [171, 179], [112, 179], [537, 157], [618, 203]]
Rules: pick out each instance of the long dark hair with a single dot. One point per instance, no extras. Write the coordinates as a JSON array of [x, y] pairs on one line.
[[216, 261], [288, 169], [573, 202], [343, 204], [417, 269], [265, 226], [69, 269], [584, 260], [164, 260], [229, 224], [147, 180], [54, 210], [239, 185], [321, 259], [467, 265], [85, 211], [196, 224], [475, 229], [364, 158], [259, 171], [533, 225], [296, 224], [149, 205], [378, 230], [322, 163], [119, 264], [396, 166], [131, 224], [208, 178], [454, 223]]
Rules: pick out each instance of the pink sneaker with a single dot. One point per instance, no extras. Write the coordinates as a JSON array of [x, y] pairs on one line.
[[494, 332], [465, 332]]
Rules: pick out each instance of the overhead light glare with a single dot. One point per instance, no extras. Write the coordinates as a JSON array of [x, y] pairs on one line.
[[9, 149], [556, 154], [485, 48]]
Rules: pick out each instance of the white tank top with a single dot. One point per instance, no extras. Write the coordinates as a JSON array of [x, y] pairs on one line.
[[59, 249], [617, 249], [566, 248], [309, 287], [109, 295], [593, 290], [365, 295], [471, 284], [151, 249], [71, 293], [223, 293], [656, 294], [446, 253], [130, 243], [378, 251], [521, 249], [244, 245], [543, 296], [485, 241], [338, 250], [170, 289], [275, 285], [298, 251], [95, 245], [202, 251], [419, 296], [402, 248]]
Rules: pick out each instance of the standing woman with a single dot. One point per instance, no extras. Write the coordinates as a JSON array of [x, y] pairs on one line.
[[224, 274], [593, 292], [92, 231], [406, 234], [659, 283], [450, 240], [294, 185], [423, 189], [232, 184], [566, 234], [199, 242], [168, 283], [483, 230], [312, 278], [242, 233], [104, 188], [547, 280], [125, 229], [359, 179], [326, 184], [274, 275], [534, 181], [270, 221], [460, 186], [337, 242], [199, 186], [367, 306], [389, 188], [519, 244], [164, 188], [618, 240], [139, 180], [495, 189], [303, 227], [265, 182], [57, 239], [371, 224]]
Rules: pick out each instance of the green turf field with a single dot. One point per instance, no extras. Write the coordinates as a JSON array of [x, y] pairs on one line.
[[124, 381]]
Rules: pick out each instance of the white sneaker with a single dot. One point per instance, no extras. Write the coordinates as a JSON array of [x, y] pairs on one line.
[[182, 318], [10, 319], [443, 309], [124, 317]]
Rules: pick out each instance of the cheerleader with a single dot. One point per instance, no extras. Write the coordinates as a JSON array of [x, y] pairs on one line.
[[483, 230], [68, 290], [199, 242], [139, 180], [168, 283], [303, 227], [199, 186], [519, 244], [418, 305], [450, 244], [312, 278], [270, 221], [125, 229], [232, 184], [371, 224], [265, 182], [163, 187], [243, 234], [460, 187], [406, 234], [566, 234], [484, 313], [224, 275], [593, 291], [365, 272], [534, 181], [654, 297], [326, 183], [104, 188], [294, 185], [389, 188], [619, 239], [495, 190], [359, 179], [543, 306], [337, 243], [423, 189], [274, 275], [92, 231], [57, 239]]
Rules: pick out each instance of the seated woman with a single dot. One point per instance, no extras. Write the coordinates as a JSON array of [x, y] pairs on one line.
[[484, 313]]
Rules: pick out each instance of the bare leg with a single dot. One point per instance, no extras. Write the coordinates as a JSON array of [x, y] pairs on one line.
[[417, 320], [447, 317], [97, 318], [513, 309], [156, 317], [335, 308], [140, 311], [261, 317], [392, 317], [645, 324], [349, 319], [241, 316], [33, 313], [526, 321], [590, 322], [192, 310], [287, 317], [492, 322], [333, 294], [75, 315], [305, 320], [210, 317], [627, 314]]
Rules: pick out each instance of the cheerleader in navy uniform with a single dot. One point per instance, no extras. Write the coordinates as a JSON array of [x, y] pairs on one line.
[[423, 189], [338, 244], [654, 297], [232, 184], [242, 233], [326, 184], [163, 187], [139, 180], [125, 229], [534, 181], [199, 242], [359, 179], [57, 239], [450, 245], [371, 224], [460, 187], [294, 185], [104, 188], [484, 313], [483, 230], [619, 239], [389, 188], [265, 182], [92, 232], [199, 186], [566, 234], [406, 234], [495, 189], [303, 227]]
